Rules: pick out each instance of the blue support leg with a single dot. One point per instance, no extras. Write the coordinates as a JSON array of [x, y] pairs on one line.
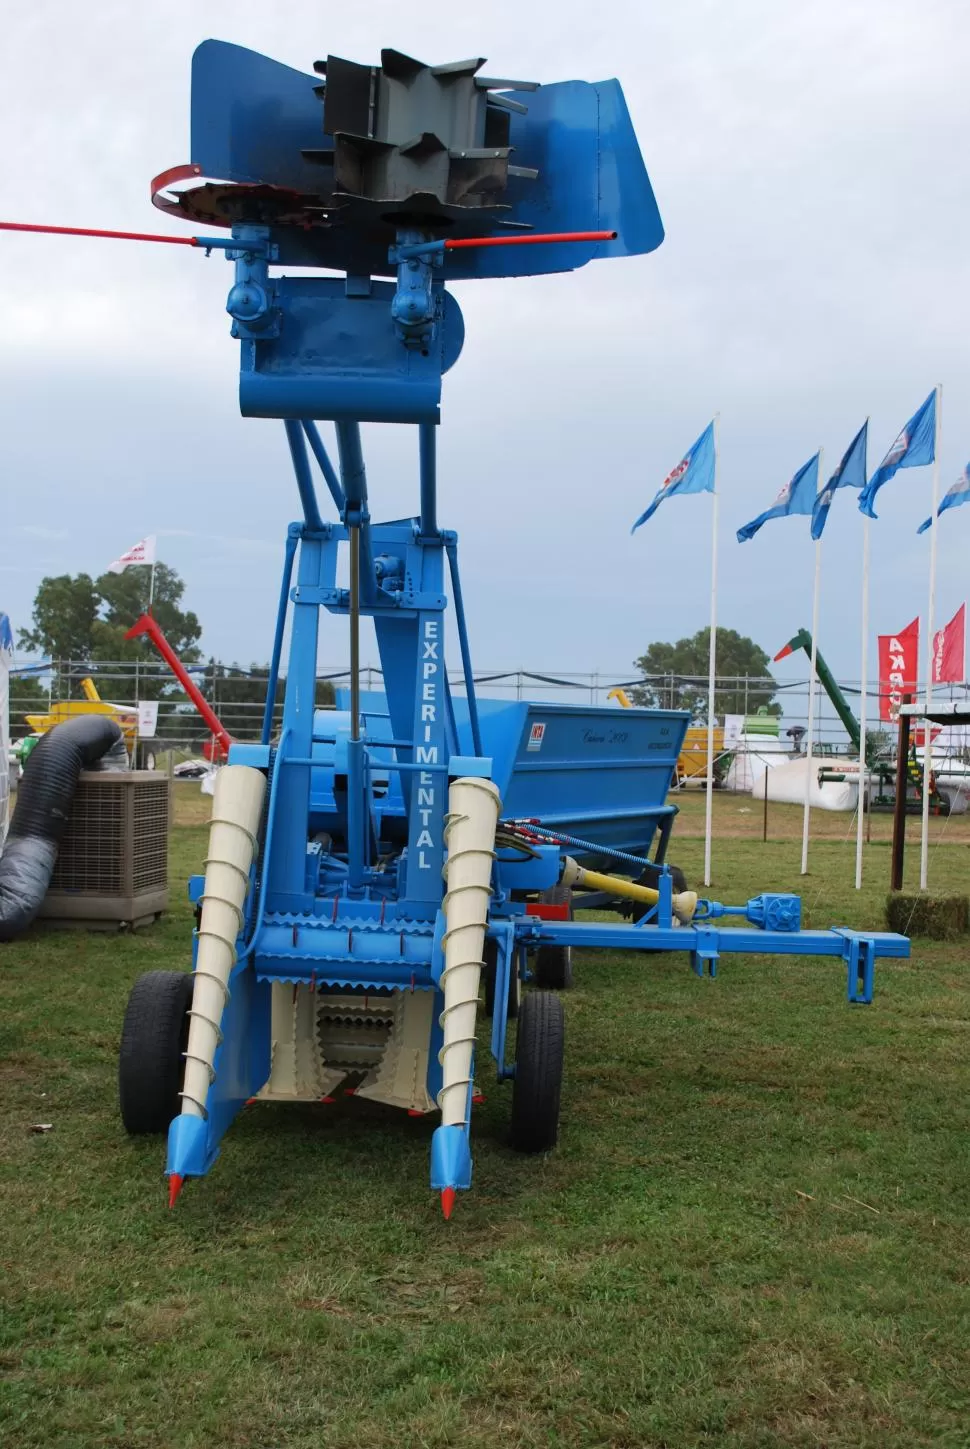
[[241, 1067], [272, 683], [323, 462], [304, 479]]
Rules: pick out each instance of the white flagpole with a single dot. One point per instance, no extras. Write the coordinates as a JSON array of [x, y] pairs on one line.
[[924, 844], [812, 690], [711, 662], [151, 588], [860, 822]]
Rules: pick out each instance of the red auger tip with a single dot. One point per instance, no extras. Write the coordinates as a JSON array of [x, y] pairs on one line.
[[447, 1201], [175, 1181]]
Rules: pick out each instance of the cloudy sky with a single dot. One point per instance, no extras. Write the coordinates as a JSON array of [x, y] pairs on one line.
[[810, 166]]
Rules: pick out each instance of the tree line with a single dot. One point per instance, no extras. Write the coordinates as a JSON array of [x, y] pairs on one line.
[[676, 676], [80, 622], [84, 620]]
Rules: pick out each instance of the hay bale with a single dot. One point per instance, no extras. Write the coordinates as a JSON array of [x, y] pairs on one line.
[[940, 917]]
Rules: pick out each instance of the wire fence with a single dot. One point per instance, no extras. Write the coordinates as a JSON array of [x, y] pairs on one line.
[[238, 696]]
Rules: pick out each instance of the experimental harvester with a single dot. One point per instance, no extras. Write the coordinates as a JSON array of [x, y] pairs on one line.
[[362, 871]]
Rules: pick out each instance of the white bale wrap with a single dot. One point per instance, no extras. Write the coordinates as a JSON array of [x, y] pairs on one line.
[[473, 810], [236, 809], [786, 784]]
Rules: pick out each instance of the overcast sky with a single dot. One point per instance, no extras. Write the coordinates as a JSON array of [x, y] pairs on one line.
[[810, 166]]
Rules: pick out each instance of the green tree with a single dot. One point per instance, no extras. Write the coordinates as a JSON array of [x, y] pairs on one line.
[[84, 620], [675, 675], [124, 597], [65, 613], [27, 696], [238, 696]]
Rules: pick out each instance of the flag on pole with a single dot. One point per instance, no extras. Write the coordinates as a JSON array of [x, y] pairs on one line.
[[851, 473], [797, 496], [693, 474], [142, 552], [898, 665], [949, 650], [914, 448], [957, 493]]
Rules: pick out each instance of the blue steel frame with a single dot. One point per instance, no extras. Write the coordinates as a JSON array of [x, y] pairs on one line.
[[368, 914], [366, 909]]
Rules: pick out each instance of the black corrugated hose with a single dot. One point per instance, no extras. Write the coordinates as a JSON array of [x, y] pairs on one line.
[[43, 807]]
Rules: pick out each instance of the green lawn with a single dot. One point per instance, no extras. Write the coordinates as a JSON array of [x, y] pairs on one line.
[[754, 1231]]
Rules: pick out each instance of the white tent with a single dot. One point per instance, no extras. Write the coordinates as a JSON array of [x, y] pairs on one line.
[[753, 755]]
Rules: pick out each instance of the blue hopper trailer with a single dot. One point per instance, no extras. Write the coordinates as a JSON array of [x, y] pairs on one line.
[[368, 867]]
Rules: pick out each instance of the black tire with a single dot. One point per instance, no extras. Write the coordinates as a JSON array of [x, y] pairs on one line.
[[490, 974], [153, 1042], [537, 1089], [651, 877], [554, 964]]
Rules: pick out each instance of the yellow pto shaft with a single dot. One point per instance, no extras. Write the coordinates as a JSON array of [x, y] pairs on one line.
[[684, 902]]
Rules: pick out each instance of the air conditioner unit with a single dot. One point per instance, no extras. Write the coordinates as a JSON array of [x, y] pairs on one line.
[[112, 866]]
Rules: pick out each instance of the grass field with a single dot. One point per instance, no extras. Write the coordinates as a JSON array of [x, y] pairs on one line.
[[753, 1232]]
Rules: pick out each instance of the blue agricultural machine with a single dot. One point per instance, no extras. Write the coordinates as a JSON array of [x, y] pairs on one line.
[[370, 866]]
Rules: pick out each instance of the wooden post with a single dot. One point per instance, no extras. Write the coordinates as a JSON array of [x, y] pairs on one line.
[[899, 806]]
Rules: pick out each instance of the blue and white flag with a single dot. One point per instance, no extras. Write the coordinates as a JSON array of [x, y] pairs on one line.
[[851, 473], [952, 498], [914, 448], [798, 496], [693, 474]]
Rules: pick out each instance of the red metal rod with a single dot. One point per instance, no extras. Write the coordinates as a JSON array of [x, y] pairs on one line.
[[145, 236], [147, 625], [527, 239], [451, 243]]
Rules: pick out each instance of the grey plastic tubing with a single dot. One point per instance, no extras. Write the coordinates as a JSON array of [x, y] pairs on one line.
[[42, 813]]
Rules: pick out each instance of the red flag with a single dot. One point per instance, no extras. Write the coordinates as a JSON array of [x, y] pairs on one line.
[[949, 649], [898, 666]]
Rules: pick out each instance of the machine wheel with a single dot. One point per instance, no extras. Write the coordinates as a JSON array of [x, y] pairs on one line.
[[538, 1072], [651, 877], [490, 973], [554, 964], [153, 1042]]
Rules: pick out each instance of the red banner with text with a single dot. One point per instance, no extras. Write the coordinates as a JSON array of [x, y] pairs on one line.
[[949, 650], [898, 669]]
